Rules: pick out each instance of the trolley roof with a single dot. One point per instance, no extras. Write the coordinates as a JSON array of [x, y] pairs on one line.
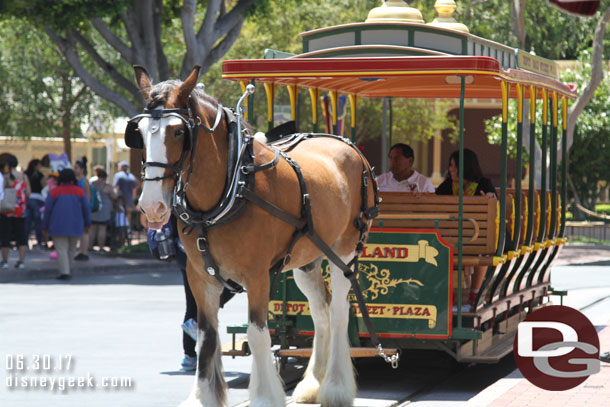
[[408, 76]]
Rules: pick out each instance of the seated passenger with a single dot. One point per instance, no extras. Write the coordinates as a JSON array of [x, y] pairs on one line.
[[474, 182], [402, 177], [474, 185]]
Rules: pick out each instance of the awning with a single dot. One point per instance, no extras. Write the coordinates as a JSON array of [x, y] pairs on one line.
[[417, 77]]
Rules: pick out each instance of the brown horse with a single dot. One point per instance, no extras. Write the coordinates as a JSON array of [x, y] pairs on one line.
[[245, 248]]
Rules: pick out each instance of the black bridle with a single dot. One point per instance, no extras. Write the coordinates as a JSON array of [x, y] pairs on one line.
[[134, 138]]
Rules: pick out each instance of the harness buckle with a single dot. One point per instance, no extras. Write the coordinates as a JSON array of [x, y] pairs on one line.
[[306, 199], [202, 244], [184, 216]]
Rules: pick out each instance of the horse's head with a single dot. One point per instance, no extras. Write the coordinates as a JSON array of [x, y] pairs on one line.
[[163, 132]]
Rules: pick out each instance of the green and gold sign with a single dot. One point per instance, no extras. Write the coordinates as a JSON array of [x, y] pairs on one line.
[[534, 63], [405, 277]]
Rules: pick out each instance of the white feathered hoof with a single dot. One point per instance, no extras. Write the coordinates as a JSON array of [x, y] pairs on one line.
[[307, 390], [338, 393]]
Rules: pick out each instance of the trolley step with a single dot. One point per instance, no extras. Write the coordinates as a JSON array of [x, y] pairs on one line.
[[353, 352], [237, 347]]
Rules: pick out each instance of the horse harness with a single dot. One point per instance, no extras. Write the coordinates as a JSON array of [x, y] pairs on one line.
[[239, 189]]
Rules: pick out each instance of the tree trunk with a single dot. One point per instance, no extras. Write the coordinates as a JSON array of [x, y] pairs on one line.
[[66, 117], [517, 11], [65, 133], [597, 75]]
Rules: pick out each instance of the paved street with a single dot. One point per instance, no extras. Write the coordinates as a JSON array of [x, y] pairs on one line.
[[112, 326]]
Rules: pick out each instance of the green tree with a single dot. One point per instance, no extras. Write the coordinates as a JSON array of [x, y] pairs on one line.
[[552, 34], [114, 34], [41, 96], [590, 153]]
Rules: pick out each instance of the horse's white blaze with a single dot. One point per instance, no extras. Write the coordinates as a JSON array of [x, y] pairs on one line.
[[266, 388], [339, 386], [153, 132]]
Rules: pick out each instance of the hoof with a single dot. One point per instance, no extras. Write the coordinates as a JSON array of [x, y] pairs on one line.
[[307, 390], [335, 393]]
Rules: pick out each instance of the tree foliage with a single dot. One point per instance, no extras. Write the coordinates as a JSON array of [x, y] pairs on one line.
[[40, 96], [101, 40], [590, 152], [549, 32]]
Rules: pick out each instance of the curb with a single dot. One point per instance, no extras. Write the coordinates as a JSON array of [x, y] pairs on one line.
[[13, 275]]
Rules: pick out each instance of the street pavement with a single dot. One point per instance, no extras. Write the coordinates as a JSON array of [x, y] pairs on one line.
[[39, 265]]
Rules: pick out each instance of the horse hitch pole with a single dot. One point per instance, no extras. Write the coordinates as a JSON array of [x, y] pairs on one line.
[[238, 109], [249, 91]]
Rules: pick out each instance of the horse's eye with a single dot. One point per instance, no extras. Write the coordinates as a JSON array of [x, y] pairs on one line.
[[179, 133]]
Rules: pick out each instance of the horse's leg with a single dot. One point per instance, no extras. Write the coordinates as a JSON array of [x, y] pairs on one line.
[[266, 389], [312, 285], [339, 385], [209, 389]]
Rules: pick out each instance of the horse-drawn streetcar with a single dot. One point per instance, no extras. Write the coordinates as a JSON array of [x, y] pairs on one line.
[[422, 247], [248, 209]]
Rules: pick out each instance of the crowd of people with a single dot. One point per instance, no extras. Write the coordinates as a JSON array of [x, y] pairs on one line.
[[68, 213]]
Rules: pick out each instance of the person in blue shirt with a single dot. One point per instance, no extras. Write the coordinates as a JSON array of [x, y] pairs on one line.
[[67, 215]]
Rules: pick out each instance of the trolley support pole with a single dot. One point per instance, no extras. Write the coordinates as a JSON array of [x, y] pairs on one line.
[[564, 164], [543, 165], [270, 89], [553, 168], [314, 95], [532, 165], [504, 147], [391, 122], [353, 103], [518, 168], [460, 202]]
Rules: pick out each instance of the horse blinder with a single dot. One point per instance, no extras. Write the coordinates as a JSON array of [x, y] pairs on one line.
[[133, 137]]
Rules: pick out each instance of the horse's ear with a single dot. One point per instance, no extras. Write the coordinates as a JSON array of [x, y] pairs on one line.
[[143, 80], [188, 85]]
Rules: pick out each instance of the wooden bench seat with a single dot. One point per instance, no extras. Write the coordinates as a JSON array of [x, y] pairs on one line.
[[426, 211]]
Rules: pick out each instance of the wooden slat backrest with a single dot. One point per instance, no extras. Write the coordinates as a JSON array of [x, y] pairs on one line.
[[479, 209]]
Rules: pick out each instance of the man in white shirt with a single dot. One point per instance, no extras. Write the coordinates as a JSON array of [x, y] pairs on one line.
[[402, 177]]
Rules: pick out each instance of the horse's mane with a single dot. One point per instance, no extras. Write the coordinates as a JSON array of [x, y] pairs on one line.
[[160, 93]]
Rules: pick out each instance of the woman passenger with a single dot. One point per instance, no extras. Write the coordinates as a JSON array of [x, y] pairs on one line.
[[475, 184]]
